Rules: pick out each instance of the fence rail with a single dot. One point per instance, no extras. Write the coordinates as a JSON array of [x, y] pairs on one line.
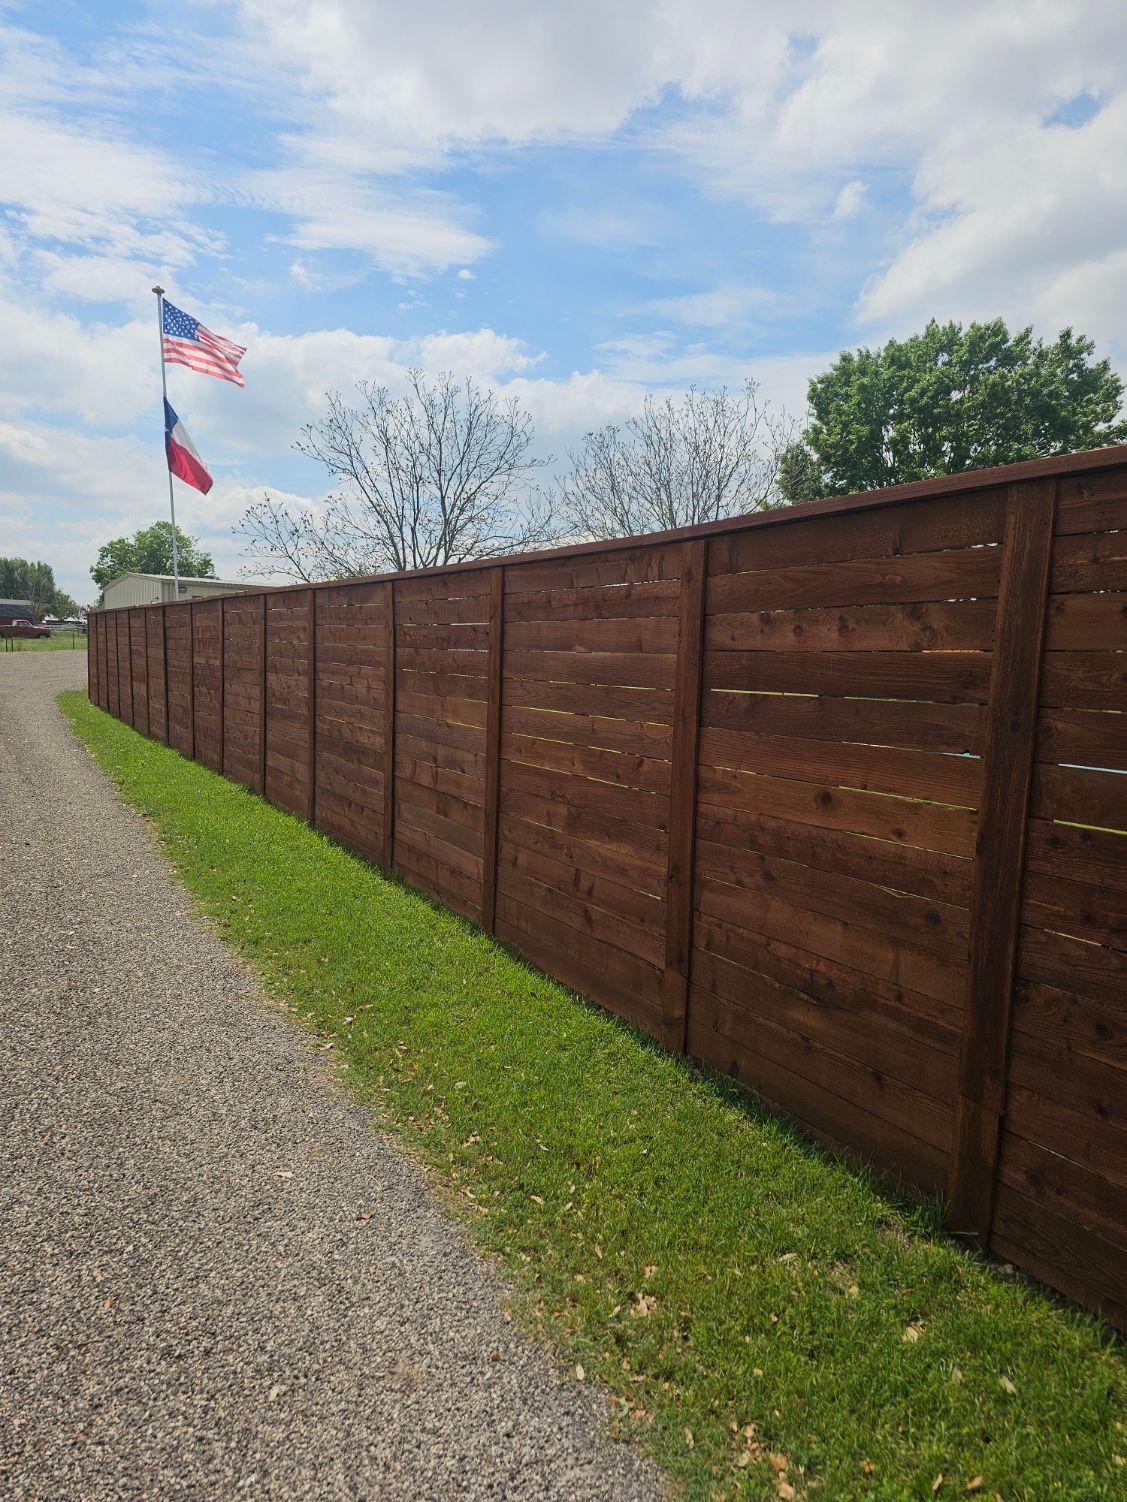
[[832, 798]]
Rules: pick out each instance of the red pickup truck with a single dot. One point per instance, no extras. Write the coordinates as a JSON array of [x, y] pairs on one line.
[[24, 628]]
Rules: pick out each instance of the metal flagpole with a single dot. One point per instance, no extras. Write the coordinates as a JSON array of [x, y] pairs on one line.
[[164, 418]]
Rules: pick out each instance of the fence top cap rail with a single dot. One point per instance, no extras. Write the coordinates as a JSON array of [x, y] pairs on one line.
[[865, 500]]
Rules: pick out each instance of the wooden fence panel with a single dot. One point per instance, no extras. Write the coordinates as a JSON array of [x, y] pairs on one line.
[[586, 758], [835, 799], [96, 652], [109, 627], [207, 682], [1061, 1206], [242, 681], [124, 666], [154, 670], [288, 780], [113, 693], [441, 694], [92, 685], [178, 648], [139, 668], [352, 639], [837, 793]]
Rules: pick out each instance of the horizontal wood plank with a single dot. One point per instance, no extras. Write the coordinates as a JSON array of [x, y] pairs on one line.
[[940, 676], [931, 826], [966, 625], [915, 580], [610, 603], [953, 522], [878, 722], [912, 774], [1086, 563], [634, 634], [901, 868], [1087, 623], [846, 943], [1084, 680], [1092, 502], [1061, 1251]]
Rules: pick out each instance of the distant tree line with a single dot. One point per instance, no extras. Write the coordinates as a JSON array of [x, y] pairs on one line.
[[20, 579], [446, 471]]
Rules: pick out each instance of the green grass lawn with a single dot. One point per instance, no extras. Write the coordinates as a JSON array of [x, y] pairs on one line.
[[765, 1320], [57, 642]]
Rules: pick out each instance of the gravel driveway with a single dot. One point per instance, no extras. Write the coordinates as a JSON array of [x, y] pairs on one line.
[[190, 1306]]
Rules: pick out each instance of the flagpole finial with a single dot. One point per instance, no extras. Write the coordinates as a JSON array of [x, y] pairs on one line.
[[159, 291]]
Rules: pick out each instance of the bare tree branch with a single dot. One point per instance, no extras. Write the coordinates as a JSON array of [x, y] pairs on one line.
[[682, 460], [442, 474]]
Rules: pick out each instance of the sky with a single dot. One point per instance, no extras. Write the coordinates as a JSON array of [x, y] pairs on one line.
[[571, 203]]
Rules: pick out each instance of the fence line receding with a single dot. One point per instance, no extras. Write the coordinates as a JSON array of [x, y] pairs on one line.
[[832, 798]]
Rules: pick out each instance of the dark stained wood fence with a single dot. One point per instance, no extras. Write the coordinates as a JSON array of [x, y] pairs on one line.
[[832, 798]]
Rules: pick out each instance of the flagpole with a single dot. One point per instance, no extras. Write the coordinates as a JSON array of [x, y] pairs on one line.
[[164, 419]]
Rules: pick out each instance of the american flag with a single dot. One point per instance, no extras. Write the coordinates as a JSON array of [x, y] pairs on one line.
[[187, 342]]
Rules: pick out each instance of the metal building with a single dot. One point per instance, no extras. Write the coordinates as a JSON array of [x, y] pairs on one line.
[[160, 589]]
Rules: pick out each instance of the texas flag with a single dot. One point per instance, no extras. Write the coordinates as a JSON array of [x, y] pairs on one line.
[[183, 460]]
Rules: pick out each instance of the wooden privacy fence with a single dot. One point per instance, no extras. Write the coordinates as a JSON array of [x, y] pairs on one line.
[[833, 798]]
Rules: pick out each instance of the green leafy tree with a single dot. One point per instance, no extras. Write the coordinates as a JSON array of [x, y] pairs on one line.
[[20, 579], [951, 399], [149, 551]]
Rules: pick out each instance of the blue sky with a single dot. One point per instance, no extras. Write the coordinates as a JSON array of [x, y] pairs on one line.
[[577, 204]]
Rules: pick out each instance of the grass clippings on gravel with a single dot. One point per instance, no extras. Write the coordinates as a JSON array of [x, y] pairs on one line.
[[763, 1318]]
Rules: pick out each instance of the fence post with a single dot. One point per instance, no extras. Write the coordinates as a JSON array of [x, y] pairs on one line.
[[192, 677], [164, 660], [1011, 729], [128, 659], [494, 683], [222, 682], [311, 668], [683, 796], [262, 704], [389, 731], [148, 690]]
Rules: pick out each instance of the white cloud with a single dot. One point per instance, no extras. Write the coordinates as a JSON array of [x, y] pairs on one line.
[[849, 200], [96, 189], [1027, 223], [794, 109], [408, 233], [483, 354], [65, 493], [105, 373], [115, 279], [440, 74], [662, 358], [719, 307]]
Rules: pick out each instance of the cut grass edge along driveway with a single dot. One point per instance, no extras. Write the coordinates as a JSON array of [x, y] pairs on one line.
[[764, 1320]]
